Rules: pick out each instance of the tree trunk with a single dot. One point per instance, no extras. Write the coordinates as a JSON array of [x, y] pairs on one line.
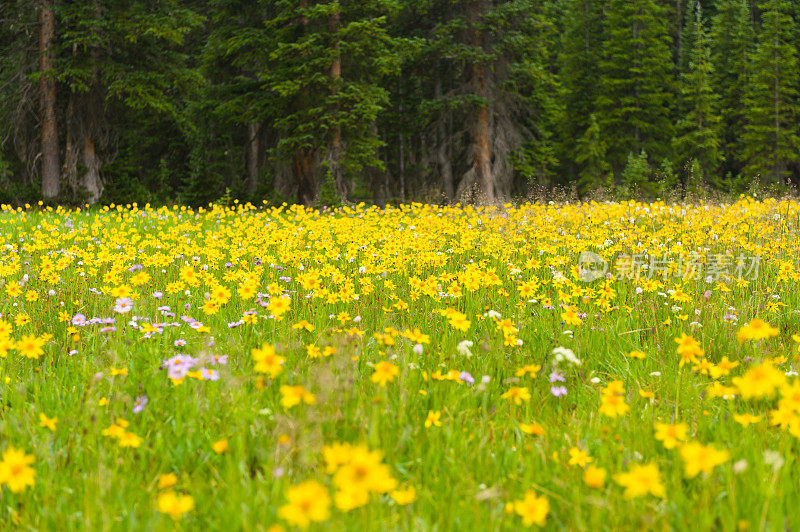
[[375, 173], [482, 157], [91, 182], [252, 149], [778, 164], [401, 156], [72, 150], [445, 167], [84, 114], [47, 101], [442, 158], [679, 39], [302, 167], [335, 147], [481, 152], [303, 157]]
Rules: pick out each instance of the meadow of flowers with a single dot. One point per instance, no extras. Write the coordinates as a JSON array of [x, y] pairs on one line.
[[407, 368]]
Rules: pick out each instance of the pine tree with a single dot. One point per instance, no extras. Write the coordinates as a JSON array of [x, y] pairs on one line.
[[667, 182], [635, 177], [527, 109], [234, 53], [581, 46], [124, 69], [590, 153], [732, 45], [494, 96], [698, 128], [24, 81], [694, 179], [636, 82], [772, 146], [327, 70], [406, 99]]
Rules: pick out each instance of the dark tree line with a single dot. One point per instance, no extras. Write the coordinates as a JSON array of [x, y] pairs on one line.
[[389, 100]]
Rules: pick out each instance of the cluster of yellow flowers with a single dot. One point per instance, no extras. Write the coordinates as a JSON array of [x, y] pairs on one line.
[[118, 430], [356, 473], [169, 502]]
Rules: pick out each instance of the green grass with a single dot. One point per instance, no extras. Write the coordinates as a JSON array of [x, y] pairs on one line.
[[464, 472]]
